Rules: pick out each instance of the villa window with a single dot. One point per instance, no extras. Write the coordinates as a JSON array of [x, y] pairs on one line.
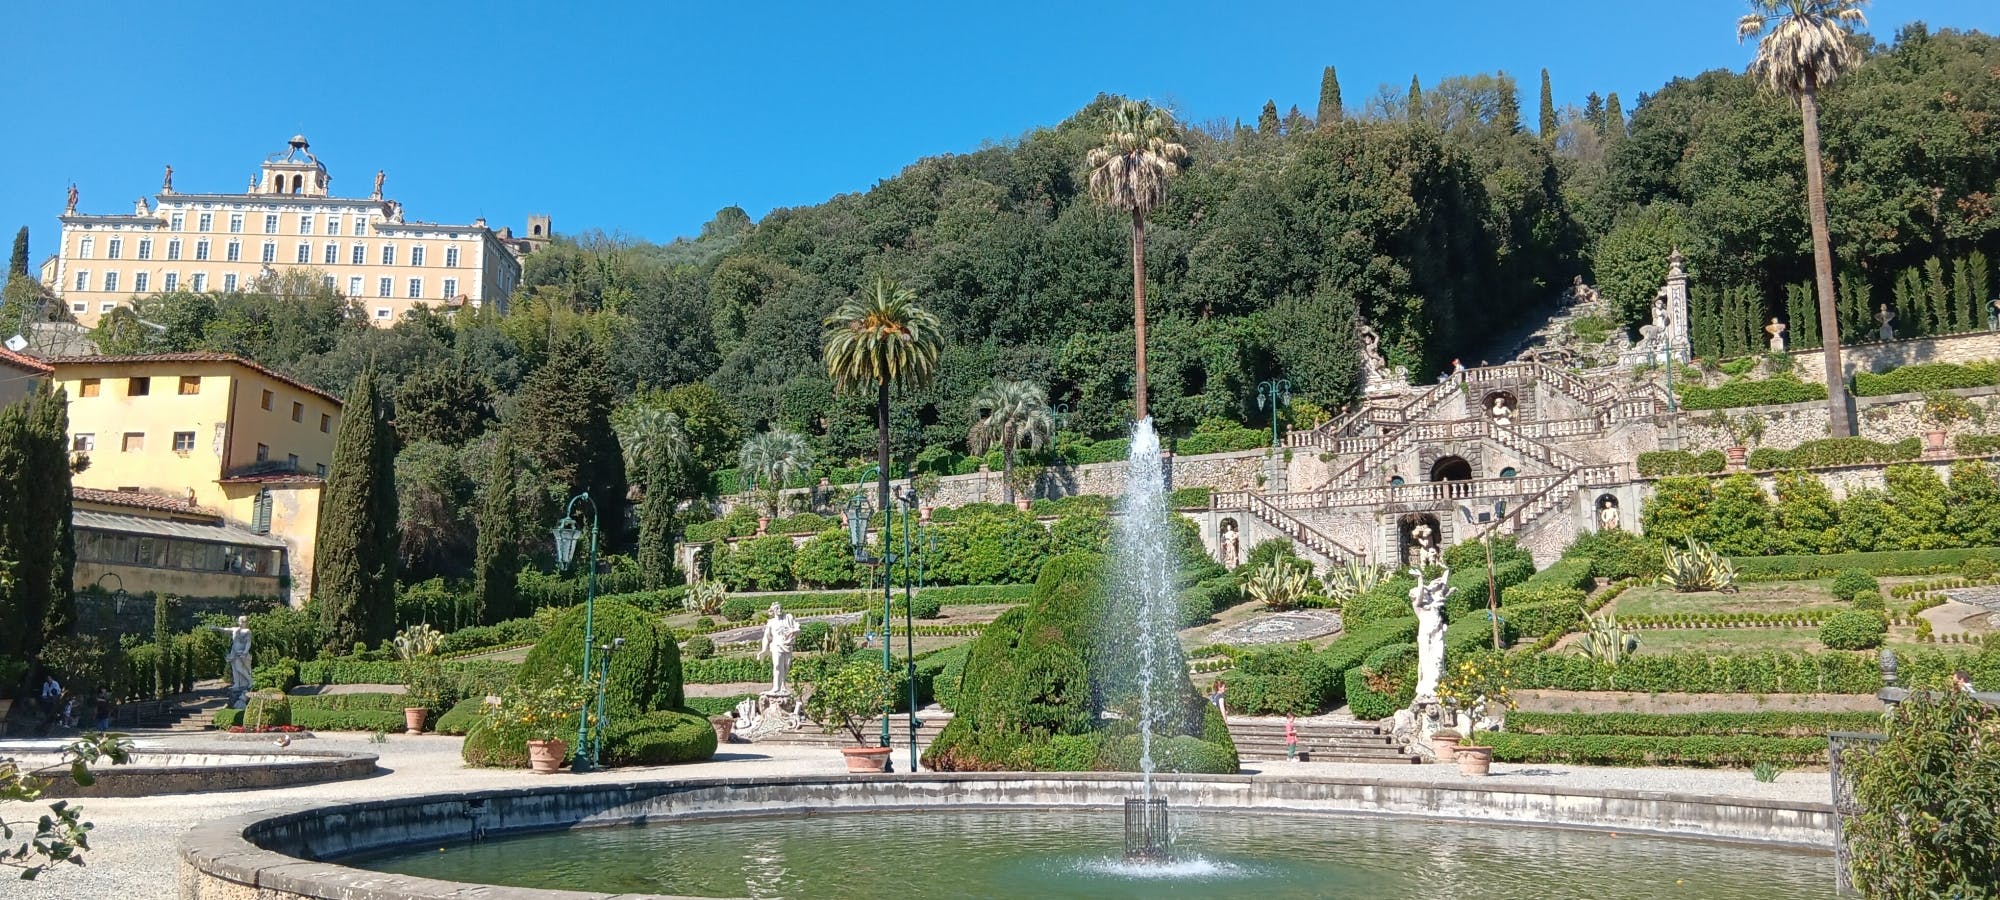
[[174, 249], [235, 223], [451, 256], [190, 384], [114, 249], [234, 253], [139, 282], [83, 443], [89, 387], [416, 256], [145, 248], [134, 442], [183, 442], [173, 281], [201, 250], [270, 224], [206, 222]]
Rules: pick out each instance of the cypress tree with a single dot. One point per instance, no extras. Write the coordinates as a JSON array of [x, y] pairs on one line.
[[1329, 97], [1593, 111], [1964, 306], [17, 265], [1937, 296], [497, 567], [562, 417], [1414, 106], [37, 552], [354, 572], [657, 521], [1267, 121], [1507, 112], [1614, 117], [1548, 123], [1295, 121]]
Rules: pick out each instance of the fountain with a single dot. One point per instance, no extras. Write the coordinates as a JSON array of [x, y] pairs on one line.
[[1141, 557]]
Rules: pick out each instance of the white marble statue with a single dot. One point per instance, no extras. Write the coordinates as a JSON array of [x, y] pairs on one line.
[[1607, 516], [1424, 537], [779, 631], [1427, 601], [238, 660], [1503, 414], [1888, 321], [1231, 544]]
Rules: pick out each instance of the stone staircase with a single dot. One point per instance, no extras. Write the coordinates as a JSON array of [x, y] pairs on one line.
[[1340, 742], [1329, 551]]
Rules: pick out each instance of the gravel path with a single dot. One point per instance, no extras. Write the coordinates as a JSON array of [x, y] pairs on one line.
[[133, 846]]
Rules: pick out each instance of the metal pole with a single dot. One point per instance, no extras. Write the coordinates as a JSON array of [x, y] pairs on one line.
[[1492, 588], [888, 658], [579, 763]]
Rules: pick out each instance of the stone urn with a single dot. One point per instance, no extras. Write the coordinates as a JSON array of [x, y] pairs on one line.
[[867, 759], [763, 523], [1023, 504], [1445, 745], [546, 757], [413, 719], [1475, 760], [1738, 456], [725, 728]]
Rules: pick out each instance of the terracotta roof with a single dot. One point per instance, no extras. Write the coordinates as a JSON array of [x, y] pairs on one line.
[[167, 358], [27, 363], [137, 500], [272, 478]]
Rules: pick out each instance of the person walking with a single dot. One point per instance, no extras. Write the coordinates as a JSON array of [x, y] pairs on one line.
[[1291, 739], [1221, 693], [103, 710]]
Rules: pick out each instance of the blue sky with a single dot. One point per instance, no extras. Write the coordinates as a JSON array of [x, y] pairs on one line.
[[646, 117]]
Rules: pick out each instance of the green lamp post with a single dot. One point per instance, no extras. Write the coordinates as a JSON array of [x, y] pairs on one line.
[[1277, 392], [1492, 579], [567, 536]]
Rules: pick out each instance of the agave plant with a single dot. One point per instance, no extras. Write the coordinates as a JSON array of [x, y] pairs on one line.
[[1605, 643], [417, 640], [705, 597], [1352, 579], [1278, 584], [1698, 568]]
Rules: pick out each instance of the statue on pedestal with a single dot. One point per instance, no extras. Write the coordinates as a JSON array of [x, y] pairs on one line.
[[1777, 332], [1424, 543], [779, 631], [1888, 320], [71, 208], [238, 659], [1607, 515], [1427, 601], [167, 182], [1503, 414], [1230, 545], [379, 176]]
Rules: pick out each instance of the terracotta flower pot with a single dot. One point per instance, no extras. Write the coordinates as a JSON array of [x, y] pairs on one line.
[[545, 757], [1445, 746], [1737, 456], [725, 728], [1934, 441], [1475, 760], [413, 719], [866, 759]]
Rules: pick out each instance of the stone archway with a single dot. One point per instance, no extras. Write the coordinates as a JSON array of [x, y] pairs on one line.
[[1607, 512], [1451, 468]]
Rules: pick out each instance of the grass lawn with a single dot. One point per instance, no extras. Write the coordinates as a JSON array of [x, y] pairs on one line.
[[1751, 640], [1754, 596]]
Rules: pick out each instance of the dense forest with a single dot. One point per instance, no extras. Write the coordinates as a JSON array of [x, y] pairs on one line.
[[1434, 213]]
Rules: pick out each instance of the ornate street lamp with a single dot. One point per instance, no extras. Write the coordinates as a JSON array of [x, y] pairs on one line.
[[118, 595], [1278, 392], [909, 499], [567, 535], [859, 511], [1492, 581]]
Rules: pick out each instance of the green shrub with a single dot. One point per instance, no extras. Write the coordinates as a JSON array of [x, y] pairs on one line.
[[280, 676], [1633, 750], [1869, 601], [349, 719], [739, 609], [462, 717], [1920, 377], [826, 560], [1978, 568], [1927, 799], [1853, 629], [698, 647], [1759, 724], [658, 738], [1976, 444], [1655, 463], [1616, 554], [1286, 680], [724, 670], [758, 564], [1263, 552], [1383, 683], [1555, 616], [262, 709], [717, 706], [1883, 562], [1774, 391], [1849, 451], [1386, 601], [1851, 582], [487, 748], [1739, 673], [1189, 498], [813, 635], [498, 634]]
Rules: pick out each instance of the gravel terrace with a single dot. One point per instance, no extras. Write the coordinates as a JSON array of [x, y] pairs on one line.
[[133, 846]]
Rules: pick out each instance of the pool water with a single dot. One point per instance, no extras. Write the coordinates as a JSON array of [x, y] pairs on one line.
[[1074, 853]]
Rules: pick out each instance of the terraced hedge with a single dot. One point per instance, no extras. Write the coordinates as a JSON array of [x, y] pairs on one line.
[[1759, 724], [1705, 751]]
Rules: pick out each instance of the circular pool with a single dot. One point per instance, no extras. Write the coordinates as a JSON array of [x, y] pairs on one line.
[[1020, 834], [1075, 853]]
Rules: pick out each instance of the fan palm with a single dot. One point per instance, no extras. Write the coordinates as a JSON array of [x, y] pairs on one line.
[[1014, 414], [1129, 172], [649, 435], [773, 458], [877, 339], [1804, 46]]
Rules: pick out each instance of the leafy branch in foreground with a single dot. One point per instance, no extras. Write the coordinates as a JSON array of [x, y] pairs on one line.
[[60, 835]]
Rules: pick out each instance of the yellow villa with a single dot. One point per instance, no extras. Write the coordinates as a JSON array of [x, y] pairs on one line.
[[221, 439], [286, 218]]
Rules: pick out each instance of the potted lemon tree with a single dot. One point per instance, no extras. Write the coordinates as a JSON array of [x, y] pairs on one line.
[[1480, 691], [1941, 411], [845, 701], [542, 715]]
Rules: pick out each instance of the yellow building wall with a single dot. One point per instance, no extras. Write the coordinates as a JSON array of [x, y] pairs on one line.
[[140, 579], [153, 464], [294, 520], [310, 437]]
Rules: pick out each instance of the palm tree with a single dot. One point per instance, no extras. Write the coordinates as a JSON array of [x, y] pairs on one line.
[[879, 338], [649, 435], [1130, 172], [1803, 48], [1013, 414], [773, 458]]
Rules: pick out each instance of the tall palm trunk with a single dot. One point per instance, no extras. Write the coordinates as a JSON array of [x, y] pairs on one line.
[[882, 450], [1829, 322], [1139, 302]]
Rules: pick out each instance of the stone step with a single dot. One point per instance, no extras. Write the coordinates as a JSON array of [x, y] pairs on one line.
[[1319, 757]]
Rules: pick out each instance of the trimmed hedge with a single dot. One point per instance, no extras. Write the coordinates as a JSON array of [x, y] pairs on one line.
[[1681, 462], [1758, 724], [1397, 663], [1291, 680], [1921, 377], [1744, 392], [1745, 673], [1880, 562], [1707, 751], [1848, 451], [724, 670], [461, 717], [717, 706], [1557, 616], [471, 677], [1976, 444], [1853, 629], [659, 738]]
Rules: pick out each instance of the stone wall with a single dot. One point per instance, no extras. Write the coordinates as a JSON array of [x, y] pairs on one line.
[[1888, 419], [1882, 356], [152, 772], [1239, 471]]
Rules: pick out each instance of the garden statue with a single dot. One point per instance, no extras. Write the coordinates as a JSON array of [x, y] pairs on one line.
[[1229, 545], [1607, 515], [71, 209], [1503, 414], [779, 631], [1424, 537], [238, 660], [1993, 313], [1777, 332], [167, 182], [377, 195], [1888, 320], [1427, 601]]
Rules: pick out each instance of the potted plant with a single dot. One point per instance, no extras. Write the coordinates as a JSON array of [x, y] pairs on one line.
[[1941, 411], [1743, 431], [543, 715], [1444, 743], [1479, 691], [845, 701], [415, 646]]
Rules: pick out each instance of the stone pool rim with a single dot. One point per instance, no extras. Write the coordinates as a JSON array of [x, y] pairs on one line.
[[237, 856], [152, 770]]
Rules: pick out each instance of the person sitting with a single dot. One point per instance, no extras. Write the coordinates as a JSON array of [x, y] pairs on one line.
[[1962, 681]]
